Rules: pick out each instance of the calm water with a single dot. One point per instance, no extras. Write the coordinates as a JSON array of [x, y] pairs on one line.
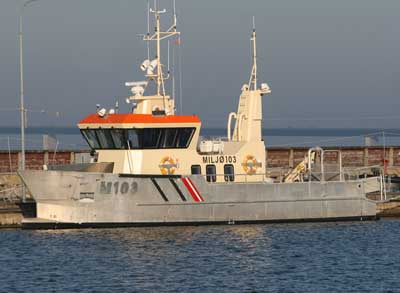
[[70, 138], [327, 257]]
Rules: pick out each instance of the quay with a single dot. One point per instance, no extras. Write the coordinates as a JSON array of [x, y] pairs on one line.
[[361, 160], [278, 159], [10, 215]]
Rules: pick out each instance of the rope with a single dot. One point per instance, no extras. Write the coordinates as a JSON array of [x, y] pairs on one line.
[[10, 189]]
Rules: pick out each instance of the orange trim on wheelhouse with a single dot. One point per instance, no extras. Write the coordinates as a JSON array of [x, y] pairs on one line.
[[138, 118]]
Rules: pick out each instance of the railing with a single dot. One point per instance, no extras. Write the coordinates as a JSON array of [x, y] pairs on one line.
[[10, 195], [363, 171], [266, 178]]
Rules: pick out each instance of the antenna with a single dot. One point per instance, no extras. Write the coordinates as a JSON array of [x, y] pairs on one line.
[[168, 57], [253, 76], [173, 52], [173, 73], [174, 10], [180, 78], [155, 67], [148, 29]]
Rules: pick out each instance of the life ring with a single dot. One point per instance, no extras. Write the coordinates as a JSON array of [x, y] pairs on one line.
[[250, 165], [168, 165]]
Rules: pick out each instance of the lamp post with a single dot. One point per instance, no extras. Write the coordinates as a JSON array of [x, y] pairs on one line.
[[21, 76]]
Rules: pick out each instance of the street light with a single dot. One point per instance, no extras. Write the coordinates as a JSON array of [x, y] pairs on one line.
[[22, 107]]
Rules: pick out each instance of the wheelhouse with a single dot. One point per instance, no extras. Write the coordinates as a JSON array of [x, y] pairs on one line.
[[138, 138], [139, 131]]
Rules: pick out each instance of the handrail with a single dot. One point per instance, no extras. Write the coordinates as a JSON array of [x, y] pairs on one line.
[[315, 149], [229, 131], [265, 177]]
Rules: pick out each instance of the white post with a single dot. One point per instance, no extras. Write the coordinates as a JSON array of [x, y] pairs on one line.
[[384, 187], [55, 152], [341, 175], [254, 54], [9, 153], [22, 108]]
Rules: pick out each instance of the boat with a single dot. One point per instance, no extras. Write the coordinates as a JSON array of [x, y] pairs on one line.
[[151, 167]]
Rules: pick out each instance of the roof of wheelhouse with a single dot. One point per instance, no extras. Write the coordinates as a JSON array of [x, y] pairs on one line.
[[138, 119]]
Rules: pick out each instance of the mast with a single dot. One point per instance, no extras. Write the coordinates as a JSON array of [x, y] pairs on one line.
[[249, 114], [253, 76], [159, 73], [157, 37], [159, 102]]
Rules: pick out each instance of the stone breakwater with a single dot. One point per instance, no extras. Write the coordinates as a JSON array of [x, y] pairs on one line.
[[10, 215]]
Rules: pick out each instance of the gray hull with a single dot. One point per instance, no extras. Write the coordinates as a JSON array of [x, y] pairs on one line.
[[83, 199]]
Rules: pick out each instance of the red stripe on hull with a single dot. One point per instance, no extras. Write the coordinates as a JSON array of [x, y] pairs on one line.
[[195, 189], [192, 190]]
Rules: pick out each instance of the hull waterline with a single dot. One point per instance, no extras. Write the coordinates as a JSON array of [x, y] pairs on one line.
[[84, 199]]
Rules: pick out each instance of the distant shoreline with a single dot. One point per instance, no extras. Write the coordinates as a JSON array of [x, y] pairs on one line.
[[221, 131]]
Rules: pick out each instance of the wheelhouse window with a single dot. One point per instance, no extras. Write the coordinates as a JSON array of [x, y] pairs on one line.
[[196, 169], [152, 137], [171, 136], [138, 138], [119, 138], [211, 173], [132, 140], [229, 172], [185, 136], [91, 138], [105, 138]]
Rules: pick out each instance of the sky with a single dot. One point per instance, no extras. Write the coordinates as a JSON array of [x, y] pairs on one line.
[[328, 63]]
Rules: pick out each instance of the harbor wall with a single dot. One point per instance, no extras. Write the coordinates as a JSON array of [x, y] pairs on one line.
[[276, 158], [10, 215], [34, 160], [290, 157]]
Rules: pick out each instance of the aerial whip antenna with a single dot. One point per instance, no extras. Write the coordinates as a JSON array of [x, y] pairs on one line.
[[173, 72], [168, 57], [148, 29], [180, 78], [174, 10], [253, 76]]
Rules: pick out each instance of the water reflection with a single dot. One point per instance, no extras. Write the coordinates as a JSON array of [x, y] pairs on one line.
[[274, 258]]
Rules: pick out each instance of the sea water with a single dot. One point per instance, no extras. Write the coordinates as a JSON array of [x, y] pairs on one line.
[[70, 139], [322, 257]]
